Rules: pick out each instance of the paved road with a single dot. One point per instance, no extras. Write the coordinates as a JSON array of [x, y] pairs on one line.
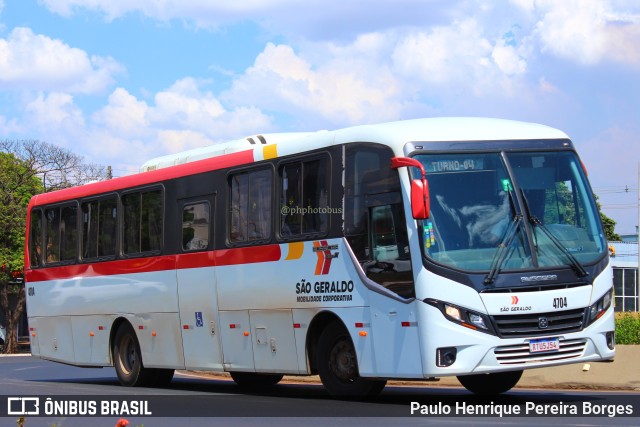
[[286, 404]]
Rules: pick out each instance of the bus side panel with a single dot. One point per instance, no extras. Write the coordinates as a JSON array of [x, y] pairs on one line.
[[395, 335], [199, 317], [164, 350], [91, 340], [237, 343], [55, 337], [274, 341], [302, 318], [143, 292]]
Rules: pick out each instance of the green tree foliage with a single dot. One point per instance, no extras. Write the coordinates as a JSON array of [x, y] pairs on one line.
[[17, 185], [608, 224], [27, 168], [561, 209]]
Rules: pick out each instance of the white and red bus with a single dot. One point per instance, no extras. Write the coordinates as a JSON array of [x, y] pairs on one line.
[[426, 248]]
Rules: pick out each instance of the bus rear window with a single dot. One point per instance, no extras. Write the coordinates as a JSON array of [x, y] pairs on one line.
[[35, 238]]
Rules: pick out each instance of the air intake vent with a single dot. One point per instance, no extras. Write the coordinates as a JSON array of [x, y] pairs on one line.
[[538, 324], [519, 354]]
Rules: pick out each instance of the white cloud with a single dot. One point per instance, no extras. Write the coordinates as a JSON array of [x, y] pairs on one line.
[[312, 19], [54, 112], [445, 54], [124, 114], [587, 31], [349, 87], [508, 60], [36, 62]]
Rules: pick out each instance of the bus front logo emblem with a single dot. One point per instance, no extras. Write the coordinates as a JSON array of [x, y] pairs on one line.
[[543, 323], [514, 300]]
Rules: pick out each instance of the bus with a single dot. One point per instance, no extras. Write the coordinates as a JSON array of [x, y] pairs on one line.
[[417, 249]]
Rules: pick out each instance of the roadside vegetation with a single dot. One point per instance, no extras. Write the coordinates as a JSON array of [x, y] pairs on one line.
[[627, 328]]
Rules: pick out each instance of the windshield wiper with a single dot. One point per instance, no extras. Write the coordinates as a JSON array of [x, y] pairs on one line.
[[503, 249], [535, 222], [573, 262]]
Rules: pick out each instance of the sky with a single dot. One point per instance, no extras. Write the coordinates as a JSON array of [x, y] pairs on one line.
[[123, 81]]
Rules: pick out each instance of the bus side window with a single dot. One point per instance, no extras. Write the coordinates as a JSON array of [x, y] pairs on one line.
[[68, 233], [142, 222], [99, 228], [35, 238], [250, 206], [391, 263], [195, 226], [52, 235], [374, 221], [304, 198]]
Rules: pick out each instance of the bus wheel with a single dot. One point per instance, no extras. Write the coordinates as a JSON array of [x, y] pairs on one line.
[[127, 357], [338, 365], [487, 384], [255, 379]]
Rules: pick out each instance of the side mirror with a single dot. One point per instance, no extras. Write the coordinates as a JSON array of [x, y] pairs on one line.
[[420, 199], [420, 204]]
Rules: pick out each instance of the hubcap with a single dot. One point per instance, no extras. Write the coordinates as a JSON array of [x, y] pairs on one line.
[[342, 361], [128, 354]]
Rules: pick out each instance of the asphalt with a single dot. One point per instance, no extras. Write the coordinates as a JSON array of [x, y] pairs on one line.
[[621, 374]]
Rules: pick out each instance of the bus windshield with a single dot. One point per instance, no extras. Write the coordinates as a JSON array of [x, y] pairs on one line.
[[476, 211]]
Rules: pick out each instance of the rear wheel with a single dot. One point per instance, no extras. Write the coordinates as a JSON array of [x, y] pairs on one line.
[[338, 365], [127, 358], [488, 384], [255, 379]]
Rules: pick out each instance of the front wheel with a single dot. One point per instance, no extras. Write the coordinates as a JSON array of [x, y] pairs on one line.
[[488, 384], [338, 365]]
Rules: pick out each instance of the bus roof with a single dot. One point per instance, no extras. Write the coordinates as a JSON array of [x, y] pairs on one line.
[[267, 146]]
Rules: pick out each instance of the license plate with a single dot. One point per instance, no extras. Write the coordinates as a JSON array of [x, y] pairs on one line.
[[544, 345]]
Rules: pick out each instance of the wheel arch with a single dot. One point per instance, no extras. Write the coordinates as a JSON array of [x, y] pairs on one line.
[[317, 325]]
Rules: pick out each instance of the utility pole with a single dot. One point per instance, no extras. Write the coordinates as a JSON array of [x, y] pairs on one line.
[[109, 173]]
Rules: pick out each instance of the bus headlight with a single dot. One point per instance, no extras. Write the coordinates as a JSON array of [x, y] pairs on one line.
[[462, 316], [453, 312], [597, 309], [477, 320]]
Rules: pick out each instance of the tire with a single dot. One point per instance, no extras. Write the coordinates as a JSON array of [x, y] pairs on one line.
[[337, 366], [489, 384], [127, 358], [255, 379]]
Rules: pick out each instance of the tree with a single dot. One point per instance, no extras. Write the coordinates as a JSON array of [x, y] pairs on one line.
[[56, 167], [28, 168], [17, 185], [608, 224]]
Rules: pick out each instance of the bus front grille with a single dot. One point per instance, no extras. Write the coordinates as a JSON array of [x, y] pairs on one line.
[[539, 324], [519, 354]]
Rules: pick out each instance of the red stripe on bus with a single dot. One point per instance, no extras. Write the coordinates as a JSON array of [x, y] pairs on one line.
[[146, 178], [248, 255], [236, 256], [107, 268]]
